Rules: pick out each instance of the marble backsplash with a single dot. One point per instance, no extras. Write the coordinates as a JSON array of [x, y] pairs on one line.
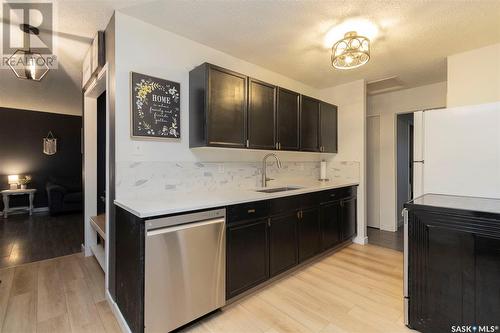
[[135, 179]]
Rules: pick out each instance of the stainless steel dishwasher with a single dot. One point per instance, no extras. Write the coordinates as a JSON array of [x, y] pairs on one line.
[[185, 268]]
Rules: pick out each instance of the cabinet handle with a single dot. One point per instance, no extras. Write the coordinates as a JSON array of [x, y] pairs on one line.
[[251, 211], [269, 223]]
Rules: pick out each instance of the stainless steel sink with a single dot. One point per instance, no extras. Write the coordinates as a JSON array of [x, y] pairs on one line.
[[279, 189]]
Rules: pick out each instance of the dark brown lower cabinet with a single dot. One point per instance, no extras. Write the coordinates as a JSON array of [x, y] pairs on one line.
[[487, 285], [268, 238], [282, 243], [331, 216], [247, 255], [309, 233], [349, 220], [454, 271]]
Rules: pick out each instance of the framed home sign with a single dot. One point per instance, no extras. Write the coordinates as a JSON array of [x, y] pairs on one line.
[[155, 109]]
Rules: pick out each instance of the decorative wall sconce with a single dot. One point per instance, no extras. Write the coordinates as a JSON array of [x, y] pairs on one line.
[[49, 144]]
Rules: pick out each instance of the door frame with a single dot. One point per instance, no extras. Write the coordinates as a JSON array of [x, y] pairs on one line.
[[99, 85]]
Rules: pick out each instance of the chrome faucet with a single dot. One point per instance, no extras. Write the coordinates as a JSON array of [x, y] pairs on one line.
[[264, 168]]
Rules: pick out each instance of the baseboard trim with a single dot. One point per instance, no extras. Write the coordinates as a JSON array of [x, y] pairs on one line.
[[360, 240], [118, 315]]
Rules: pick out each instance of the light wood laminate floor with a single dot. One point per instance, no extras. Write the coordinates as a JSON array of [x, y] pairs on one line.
[[358, 289], [64, 294]]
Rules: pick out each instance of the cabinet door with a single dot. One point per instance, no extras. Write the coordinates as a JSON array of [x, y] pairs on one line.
[[227, 105], [328, 128], [441, 273], [282, 243], [487, 286], [330, 225], [309, 124], [247, 256], [309, 234], [349, 222], [288, 115], [261, 115]]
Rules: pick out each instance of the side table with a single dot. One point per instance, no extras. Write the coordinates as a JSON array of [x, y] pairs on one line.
[[6, 195]]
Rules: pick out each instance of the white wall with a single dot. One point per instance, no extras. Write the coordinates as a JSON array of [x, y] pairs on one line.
[[147, 49], [474, 77], [387, 106], [351, 100]]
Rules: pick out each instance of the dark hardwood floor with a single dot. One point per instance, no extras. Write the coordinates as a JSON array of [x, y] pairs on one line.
[[25, 238], [387, 239]]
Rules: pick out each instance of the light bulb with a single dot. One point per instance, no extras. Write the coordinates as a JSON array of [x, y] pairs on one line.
[[32, 68], [348, 59]]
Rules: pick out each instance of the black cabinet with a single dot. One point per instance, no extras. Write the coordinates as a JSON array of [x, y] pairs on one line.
[[328, 128], [288, 117], [309, 233], [309, 124], [229, 109], [218, 107], [349, 221], [282, 243], [247, 256], [269, 237], [453, 269], [487, 273], [331, 217], [261, 115]]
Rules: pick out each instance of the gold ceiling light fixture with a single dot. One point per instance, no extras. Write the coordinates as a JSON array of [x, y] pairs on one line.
[[351, 52]]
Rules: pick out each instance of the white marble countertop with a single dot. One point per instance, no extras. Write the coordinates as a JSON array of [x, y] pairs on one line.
[[178, 202]]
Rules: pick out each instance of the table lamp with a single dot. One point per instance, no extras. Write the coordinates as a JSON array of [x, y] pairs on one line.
[[13, 181]]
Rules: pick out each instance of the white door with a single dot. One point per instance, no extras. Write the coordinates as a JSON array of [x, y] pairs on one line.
[[373, 171]]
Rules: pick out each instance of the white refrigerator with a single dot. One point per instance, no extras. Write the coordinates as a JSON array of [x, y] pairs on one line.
[[457, 151]]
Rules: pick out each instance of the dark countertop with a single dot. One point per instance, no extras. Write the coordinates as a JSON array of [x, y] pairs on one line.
[[457, 203]]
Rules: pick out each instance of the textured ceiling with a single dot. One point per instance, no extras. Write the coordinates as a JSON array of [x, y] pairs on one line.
[[75, 23], [287, 36]]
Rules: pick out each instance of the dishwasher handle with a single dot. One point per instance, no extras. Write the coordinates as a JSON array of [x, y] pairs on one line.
[[165, 230]]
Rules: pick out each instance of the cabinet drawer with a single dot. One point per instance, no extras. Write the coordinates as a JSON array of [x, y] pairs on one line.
[[310, 200], [337, 194], [283, 205], [247, 211]]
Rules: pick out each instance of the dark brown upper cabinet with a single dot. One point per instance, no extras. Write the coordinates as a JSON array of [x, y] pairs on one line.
[[328, 128], [288, 118], [218, 107], [228, 109], [309, 124], [261, 115]]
